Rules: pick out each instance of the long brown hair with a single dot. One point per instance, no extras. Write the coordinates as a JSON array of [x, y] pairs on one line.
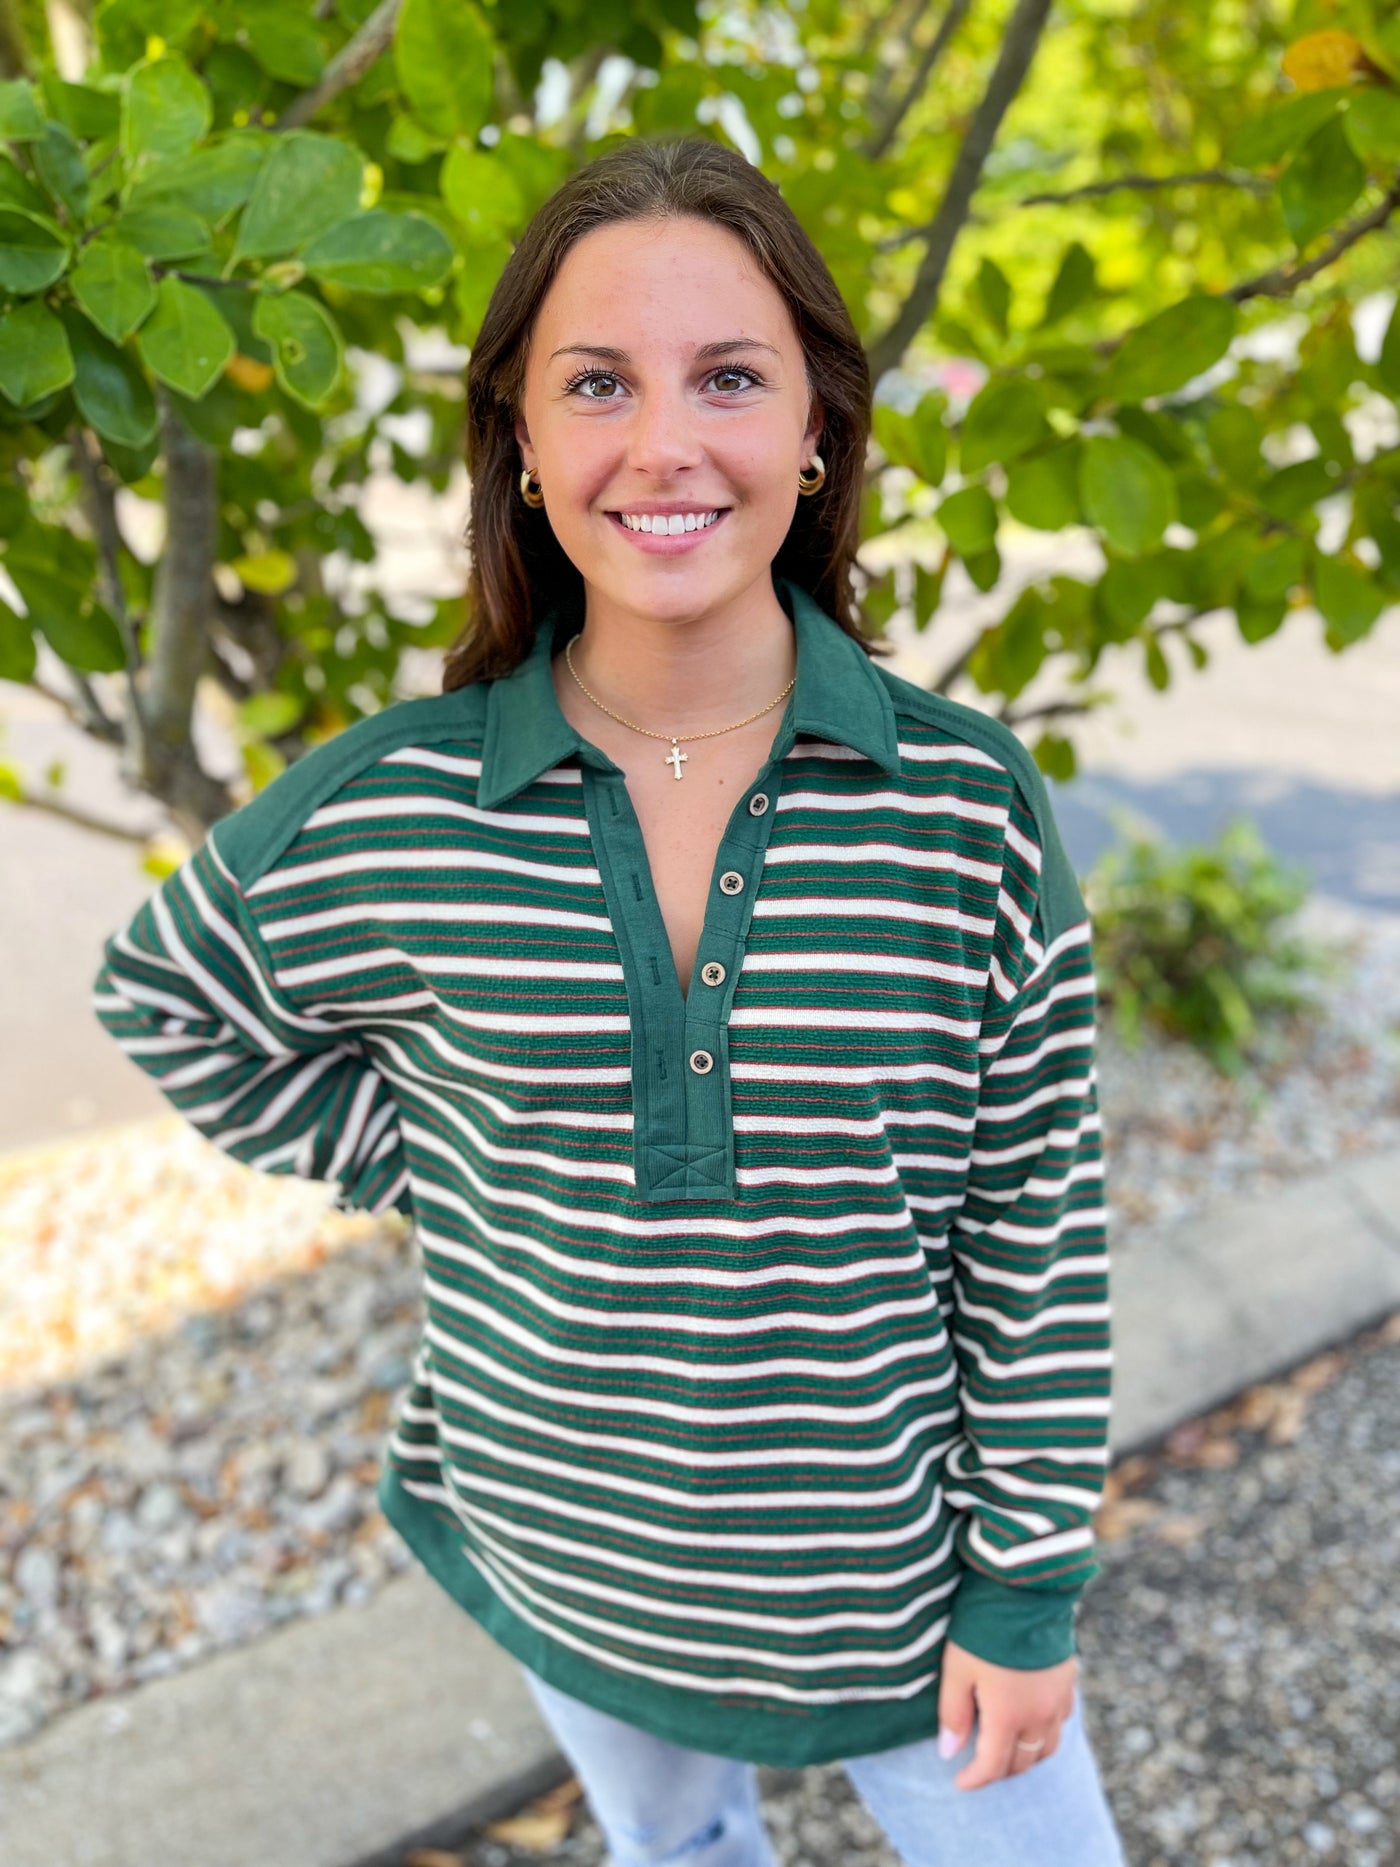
[[518, 569]]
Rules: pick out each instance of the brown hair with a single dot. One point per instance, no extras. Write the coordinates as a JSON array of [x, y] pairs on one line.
[[519, 571]]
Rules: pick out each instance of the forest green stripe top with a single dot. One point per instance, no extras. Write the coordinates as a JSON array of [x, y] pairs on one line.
[[766, 1328]]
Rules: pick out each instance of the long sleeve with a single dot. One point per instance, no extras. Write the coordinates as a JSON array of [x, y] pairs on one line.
[[1031, 1310], [186, 989]]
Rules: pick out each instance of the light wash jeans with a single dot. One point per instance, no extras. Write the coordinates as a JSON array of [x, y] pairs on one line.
[[657, 1802]]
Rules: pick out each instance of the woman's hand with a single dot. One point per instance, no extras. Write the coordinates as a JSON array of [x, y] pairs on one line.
[[1011, 1705]]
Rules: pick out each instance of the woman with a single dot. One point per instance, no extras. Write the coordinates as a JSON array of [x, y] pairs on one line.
[[721, 1008]]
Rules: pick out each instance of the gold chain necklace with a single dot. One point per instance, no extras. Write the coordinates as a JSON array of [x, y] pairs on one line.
[[675, 757]]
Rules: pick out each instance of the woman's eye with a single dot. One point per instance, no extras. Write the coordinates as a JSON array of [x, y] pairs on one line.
[[583, 381]]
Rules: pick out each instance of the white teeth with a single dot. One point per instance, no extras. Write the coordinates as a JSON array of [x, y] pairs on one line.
[[671, 525]]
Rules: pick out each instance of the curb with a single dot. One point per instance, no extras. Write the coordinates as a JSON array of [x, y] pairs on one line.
[[334, 1742]]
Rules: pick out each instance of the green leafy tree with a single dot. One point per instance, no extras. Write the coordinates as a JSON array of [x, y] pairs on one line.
[[1148, 233]]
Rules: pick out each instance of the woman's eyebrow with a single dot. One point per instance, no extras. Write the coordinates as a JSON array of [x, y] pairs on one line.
[[719, 348]]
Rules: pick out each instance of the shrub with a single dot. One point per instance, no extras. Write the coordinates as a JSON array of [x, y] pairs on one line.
[[1195, 942]]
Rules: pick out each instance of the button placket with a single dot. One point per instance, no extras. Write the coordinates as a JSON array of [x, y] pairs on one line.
[[683, 1138], [738, 867]]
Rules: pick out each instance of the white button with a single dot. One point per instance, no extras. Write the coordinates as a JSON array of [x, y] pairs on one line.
[[731, 881], [701, 1062], [712, 973], [758, 803]]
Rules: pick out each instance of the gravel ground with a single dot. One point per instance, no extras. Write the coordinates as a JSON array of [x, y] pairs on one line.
[[199, 1365], [1239, 1650]]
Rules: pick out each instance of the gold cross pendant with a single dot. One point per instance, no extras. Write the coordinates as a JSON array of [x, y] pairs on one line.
[[674, 759]]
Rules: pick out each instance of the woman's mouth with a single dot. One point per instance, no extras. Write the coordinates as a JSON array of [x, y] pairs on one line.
[[669, 543]]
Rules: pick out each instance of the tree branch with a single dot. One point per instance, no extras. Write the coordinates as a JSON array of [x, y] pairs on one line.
[[881, 138], [169, 768], [1018, 48], [70, 813], [880, 25], [1281, 280], [1232, 178], [348, 66], [102, 515]]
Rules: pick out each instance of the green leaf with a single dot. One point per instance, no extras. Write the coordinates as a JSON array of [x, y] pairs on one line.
[[1271, 137], [1073, 283], [34, 355], [480, 191], [443, 50], [1003, 420], [382, 252], [1044, 490], [1373, 126], [269, 715], [308, 183], [86, 637], [1388, 362], [1199, 499], [1126, 491], [1054, 754], [994, 294], [1008, 657], [88, 112], [1294, 489], [185, 341], [983, 567], [306, 344], [132, 464], [269, 572], [21, 119], [1171, 348], [1320, 183], [918, 440], [80, 631], [58, 162], [165, 108], [111, 283], [1127, 592], [17, 654], [33, 250], [1257, 620], [928, 437], [969, 520], [1276, 568], [1164, 434], [16, 190], [209, 182], [1348, 598], [409, 142], [112, 394], [1235, 437], [1158, 672], [284, 41], [165, 232]]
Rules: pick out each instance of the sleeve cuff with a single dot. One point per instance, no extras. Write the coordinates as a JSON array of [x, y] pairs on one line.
[[1013, 1625]]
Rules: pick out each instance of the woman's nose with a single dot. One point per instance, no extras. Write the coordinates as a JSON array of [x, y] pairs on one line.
[[662, 434]]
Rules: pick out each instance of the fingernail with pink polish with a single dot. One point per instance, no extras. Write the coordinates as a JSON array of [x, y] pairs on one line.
[[949, 1744]]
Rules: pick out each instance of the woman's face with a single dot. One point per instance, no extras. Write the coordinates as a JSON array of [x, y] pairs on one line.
[[664, 373]]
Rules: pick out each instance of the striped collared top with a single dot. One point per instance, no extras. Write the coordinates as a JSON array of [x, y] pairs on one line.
[[766, 1328]]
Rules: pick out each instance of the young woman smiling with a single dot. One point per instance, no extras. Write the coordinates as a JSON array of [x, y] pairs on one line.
[[720, 1007]]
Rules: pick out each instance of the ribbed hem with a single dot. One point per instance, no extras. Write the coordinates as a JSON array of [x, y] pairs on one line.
[[787, 1738], [1012, 1624]]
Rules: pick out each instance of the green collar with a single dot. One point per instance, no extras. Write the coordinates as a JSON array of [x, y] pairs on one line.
[[838, 695]]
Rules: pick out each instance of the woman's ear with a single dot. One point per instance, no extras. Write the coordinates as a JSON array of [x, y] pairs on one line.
[[522, 434], [816, 421]]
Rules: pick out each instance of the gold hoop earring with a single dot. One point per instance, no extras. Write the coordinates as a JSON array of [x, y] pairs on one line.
[[532, 495], [805, 485]]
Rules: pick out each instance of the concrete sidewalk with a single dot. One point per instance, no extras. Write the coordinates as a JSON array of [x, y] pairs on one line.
[[326, 1744]]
